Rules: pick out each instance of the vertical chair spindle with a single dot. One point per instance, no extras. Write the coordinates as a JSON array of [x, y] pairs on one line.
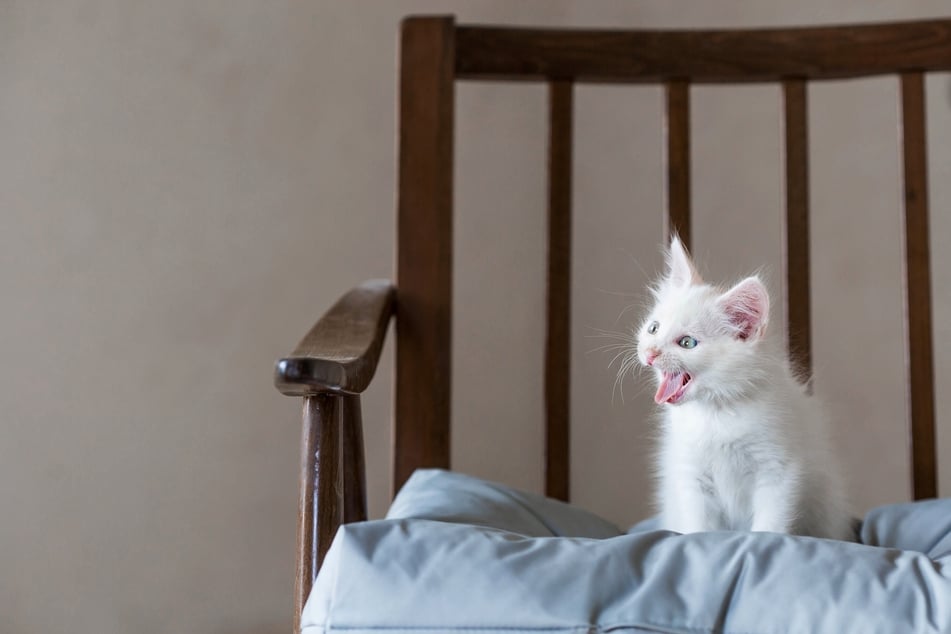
[[918, 288], [678, 161], [798, 298], [558, 335]]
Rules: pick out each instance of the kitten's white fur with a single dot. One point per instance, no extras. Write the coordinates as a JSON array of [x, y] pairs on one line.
[[743, 446]]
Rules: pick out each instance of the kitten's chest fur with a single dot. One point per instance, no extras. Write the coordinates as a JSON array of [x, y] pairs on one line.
[[726, 470], [726, 453]]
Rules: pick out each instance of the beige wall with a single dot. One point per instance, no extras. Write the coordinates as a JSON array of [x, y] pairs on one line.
[[185, 186]]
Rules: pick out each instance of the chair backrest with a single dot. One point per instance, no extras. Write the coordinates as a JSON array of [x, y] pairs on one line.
[[436, 53]]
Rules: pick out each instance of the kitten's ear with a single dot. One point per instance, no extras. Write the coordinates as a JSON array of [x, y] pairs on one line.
[[747, 308], [680, 268]]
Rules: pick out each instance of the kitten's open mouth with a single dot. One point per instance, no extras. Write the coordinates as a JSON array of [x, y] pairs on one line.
[[672, 387]]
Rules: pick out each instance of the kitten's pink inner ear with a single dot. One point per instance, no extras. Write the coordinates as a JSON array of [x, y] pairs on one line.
[[747, 308], [681, 270]]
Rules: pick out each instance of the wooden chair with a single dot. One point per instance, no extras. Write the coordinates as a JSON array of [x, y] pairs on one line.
[[336, 360]]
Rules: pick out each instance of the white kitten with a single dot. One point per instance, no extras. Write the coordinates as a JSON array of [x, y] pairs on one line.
[[743, 446]]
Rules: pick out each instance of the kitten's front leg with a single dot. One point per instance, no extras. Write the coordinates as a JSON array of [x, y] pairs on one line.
[[685, 508], [775, 504]]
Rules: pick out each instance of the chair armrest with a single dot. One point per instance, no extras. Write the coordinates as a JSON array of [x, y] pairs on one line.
[[341, 351]]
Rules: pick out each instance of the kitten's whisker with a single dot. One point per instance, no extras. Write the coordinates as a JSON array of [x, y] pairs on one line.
[[637, 264], [631, 353], [628, 365], [610, 346], [611, 333], [618, 383], [627, 308], [618, 341]]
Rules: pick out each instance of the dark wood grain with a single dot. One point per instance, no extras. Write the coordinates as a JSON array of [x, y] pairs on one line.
[[798, 298], [558, 334], [678, 161], [320, 505], [829, 52], [341, 351], [424, 256], [918, 288], [353, 462]]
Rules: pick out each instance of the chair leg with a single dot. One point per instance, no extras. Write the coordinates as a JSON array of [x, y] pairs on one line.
[[321, 503]]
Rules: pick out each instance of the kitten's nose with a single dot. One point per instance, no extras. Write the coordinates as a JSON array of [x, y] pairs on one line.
[[652, 354]]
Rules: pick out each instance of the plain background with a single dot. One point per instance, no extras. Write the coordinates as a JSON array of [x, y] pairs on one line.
[[185, 186]]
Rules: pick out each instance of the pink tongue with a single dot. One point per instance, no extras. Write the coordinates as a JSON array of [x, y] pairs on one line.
[[669, 385]]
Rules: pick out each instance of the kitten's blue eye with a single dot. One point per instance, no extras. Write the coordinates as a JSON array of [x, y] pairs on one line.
[[687, 342], [652, 329]]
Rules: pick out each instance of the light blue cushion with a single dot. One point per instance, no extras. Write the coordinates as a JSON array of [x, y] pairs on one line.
[[434, 494], [457, 554]]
